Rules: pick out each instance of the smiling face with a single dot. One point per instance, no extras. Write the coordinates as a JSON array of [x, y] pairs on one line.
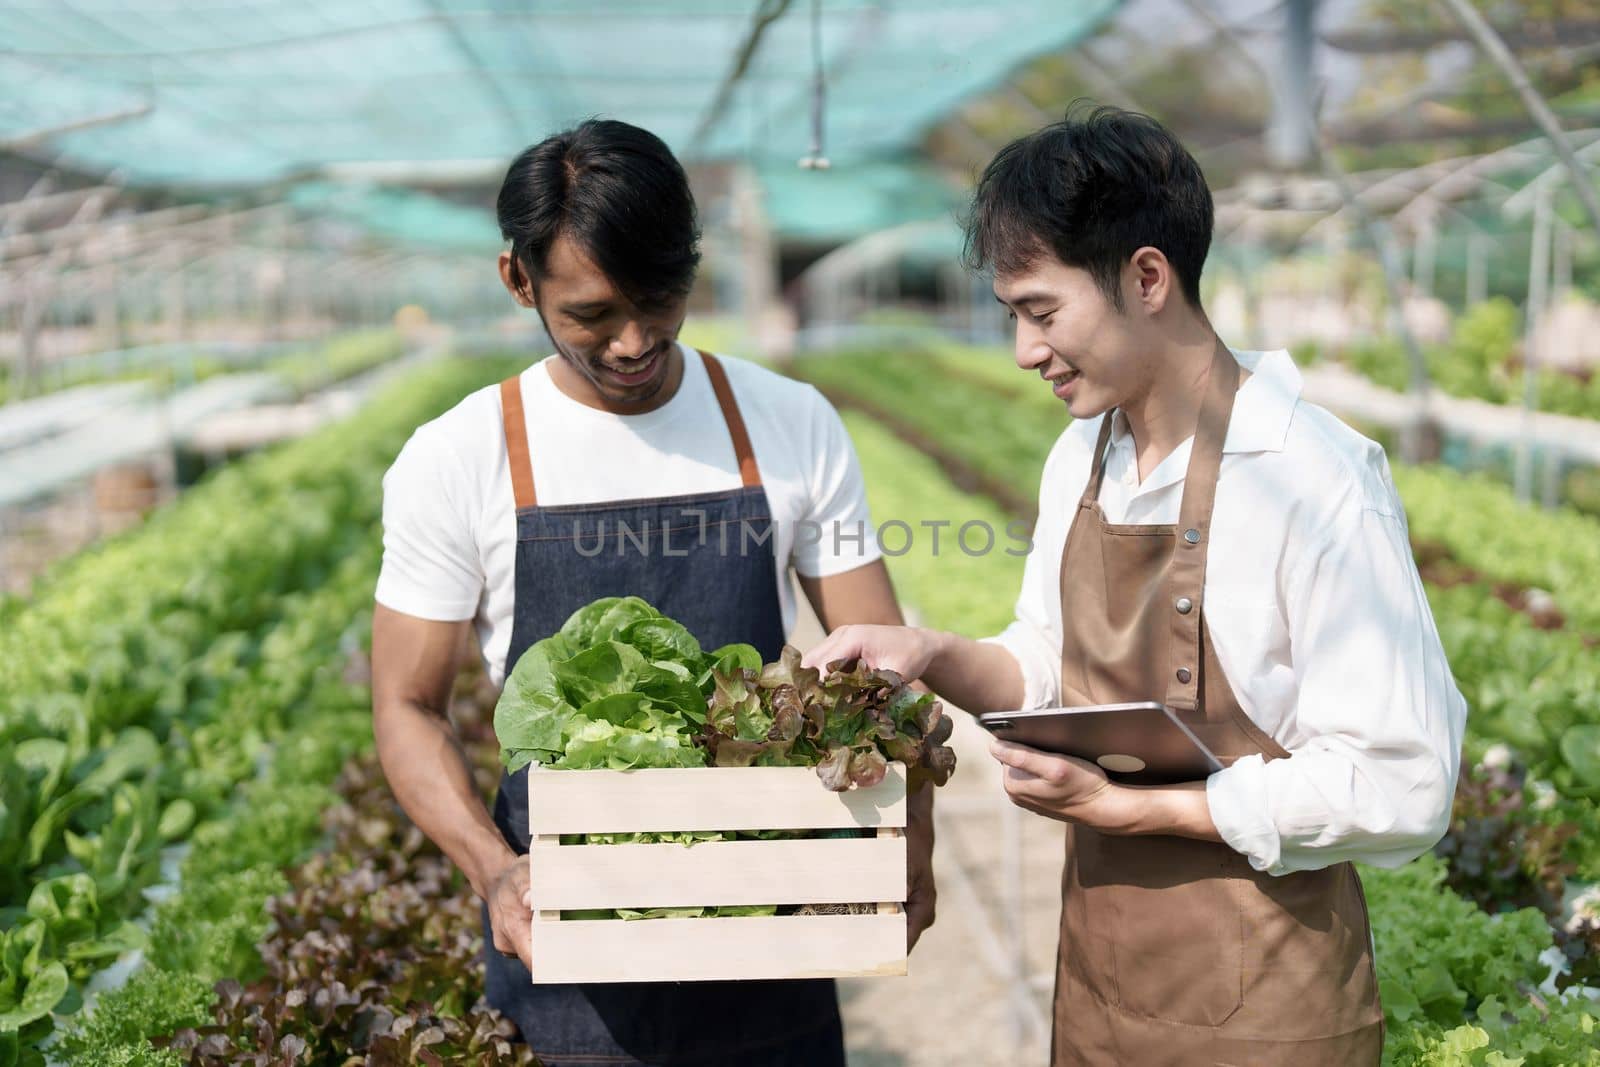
[[1095, 356], [615, 355]]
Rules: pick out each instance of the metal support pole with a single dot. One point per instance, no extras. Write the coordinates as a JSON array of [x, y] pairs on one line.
[[1553, 469], [175, 294], [1496, 50], [1562, 252], [1424, 255], [32, 320], [1292, 137], [1016, 937], [1477, 269], [758, 259], [1533, 312], [107, 305], [1416, 439]]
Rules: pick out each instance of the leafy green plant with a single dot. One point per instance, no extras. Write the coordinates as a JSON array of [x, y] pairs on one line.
[[618, 686], [222, 926], [335, 360], [1482, 361], [1536, 690], [373, 951], [621, 686], [147, 677], [1501, 853], [1002, 428], [848, 723], [949, 588], [1462, 986], [1482, 525]]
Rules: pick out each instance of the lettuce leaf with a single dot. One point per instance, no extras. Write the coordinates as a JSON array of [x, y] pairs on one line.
[[615, 688], [621, 686], [848, 723]]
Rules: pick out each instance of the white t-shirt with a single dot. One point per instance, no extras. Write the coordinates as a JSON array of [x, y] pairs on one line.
[[449, 520]]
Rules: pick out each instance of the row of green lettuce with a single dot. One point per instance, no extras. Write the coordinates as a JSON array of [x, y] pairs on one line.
[[960, 593], [305, 368], [1482, 360], [146, 678], [1461, 983], [207, 930], [1003, 421], [312, 922]]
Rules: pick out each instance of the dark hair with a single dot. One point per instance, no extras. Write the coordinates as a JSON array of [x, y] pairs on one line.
[[619, 193], [1093, 188]]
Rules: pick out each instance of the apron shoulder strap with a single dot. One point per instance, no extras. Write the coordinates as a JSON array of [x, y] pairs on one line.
[[749, 473], [1186, 574], [517, 442], [1210, 435], [1097, 468], [516, 426]]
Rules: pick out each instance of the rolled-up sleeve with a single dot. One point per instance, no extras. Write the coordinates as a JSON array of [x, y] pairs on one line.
[[1040, 669], [1372, 765]]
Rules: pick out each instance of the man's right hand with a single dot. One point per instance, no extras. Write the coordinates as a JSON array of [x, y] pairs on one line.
[[906, 650], [510, 912], [975, 676]]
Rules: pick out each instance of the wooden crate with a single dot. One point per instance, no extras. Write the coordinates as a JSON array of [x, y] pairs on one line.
[[811, 871]]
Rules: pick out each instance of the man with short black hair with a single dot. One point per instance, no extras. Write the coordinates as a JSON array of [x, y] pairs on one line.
[[566, 483], [1209, 540]]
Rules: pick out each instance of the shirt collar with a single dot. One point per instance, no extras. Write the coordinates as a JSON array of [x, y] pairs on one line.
[[1262, 410]]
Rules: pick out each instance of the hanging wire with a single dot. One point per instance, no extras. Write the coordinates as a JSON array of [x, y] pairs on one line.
[[818, 159], [768, 13]]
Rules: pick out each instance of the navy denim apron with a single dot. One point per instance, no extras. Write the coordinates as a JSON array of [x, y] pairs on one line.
[[705, 559]]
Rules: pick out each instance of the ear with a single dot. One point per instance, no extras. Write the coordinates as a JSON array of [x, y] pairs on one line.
[[1151, 281], [515, 279]]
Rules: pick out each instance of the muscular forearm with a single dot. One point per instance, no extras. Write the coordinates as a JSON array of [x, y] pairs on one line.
[[972, 675], [919, 822], [432, 779]]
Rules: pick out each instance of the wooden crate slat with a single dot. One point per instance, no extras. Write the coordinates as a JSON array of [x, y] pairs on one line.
[[812, 871], [686, 950], [710, 798]]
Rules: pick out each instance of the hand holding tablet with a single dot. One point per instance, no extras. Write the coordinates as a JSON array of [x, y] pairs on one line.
[[1141, 743]]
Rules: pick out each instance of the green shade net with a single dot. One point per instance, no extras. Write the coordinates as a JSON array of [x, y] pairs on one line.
[[225, 92], [400, 216], [826, 206]]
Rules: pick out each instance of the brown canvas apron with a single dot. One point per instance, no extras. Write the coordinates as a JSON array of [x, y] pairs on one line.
[[1177, 951]]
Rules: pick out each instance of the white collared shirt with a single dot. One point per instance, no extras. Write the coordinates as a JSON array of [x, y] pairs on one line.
[[1317, 616]]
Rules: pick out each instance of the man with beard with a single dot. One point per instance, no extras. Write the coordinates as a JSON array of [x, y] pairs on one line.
[[623, 465]]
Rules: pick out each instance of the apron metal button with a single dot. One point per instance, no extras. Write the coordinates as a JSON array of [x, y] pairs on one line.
[[1184, 675], [1184, 605], [1192, 536]]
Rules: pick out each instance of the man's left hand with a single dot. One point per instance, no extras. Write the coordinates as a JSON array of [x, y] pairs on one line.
[[1059, 787]]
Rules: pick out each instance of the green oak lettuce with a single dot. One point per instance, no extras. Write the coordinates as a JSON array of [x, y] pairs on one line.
[[848, 723], [622, 686]]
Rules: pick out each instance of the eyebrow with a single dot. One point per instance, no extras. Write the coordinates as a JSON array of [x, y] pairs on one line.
[[1024, 298], [587, 306]]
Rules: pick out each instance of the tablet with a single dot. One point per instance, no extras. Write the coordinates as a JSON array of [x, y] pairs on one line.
[[1142, 743]]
